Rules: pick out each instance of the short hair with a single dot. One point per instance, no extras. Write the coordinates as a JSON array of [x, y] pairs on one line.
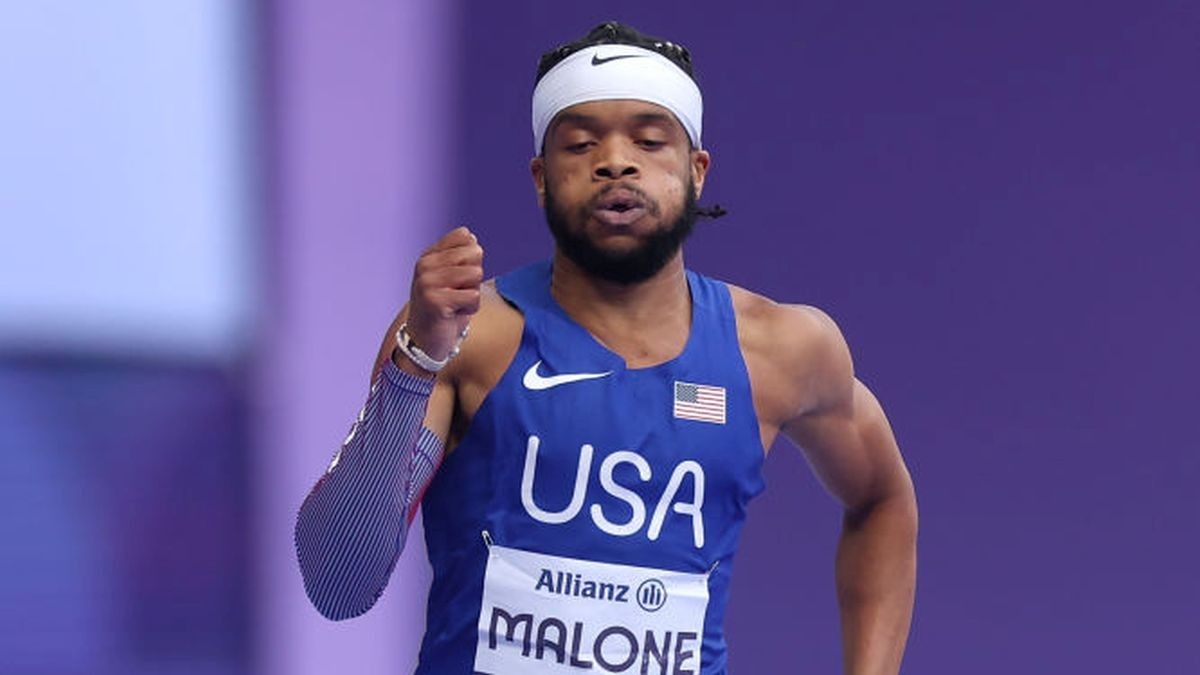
[[613, 33]]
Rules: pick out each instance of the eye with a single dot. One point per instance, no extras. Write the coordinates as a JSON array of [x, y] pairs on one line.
[[651, 144], [580, 147]]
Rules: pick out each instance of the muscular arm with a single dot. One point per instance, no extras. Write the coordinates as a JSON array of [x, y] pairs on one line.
[[849, 443]]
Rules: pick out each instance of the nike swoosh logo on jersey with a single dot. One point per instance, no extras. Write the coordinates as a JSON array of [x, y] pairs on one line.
[[537, 382], [597, 61]]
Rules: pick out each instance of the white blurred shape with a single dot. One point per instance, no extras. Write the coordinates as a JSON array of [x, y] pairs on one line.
[[125, 177]]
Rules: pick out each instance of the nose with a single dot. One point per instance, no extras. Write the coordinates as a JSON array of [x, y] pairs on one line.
[[614, 161]]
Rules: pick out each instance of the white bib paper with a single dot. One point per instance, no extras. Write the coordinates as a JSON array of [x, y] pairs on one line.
[[552, 615]]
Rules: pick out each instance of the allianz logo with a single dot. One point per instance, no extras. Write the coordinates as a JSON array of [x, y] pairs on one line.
[[651, 594]]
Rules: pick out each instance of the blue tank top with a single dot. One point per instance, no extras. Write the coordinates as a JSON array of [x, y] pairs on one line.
[[588, 518]]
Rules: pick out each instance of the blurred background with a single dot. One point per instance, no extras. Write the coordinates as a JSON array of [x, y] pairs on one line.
[[209, 210]]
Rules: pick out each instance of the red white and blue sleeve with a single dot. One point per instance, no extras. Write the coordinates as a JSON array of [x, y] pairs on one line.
[[352, 526]]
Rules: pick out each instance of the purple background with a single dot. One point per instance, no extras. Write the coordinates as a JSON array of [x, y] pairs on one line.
[[999, 204]]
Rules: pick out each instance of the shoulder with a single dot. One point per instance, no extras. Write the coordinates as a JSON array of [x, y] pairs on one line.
[[495, 335], [796, 354]]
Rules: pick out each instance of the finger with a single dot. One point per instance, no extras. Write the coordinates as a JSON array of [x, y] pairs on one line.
[[450, 302], [459, 236], [431, 264], [459, 276], [426, 287], [467, 254], [469, 302]]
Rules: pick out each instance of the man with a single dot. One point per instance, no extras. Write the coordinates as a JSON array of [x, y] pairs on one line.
[[604, 427]]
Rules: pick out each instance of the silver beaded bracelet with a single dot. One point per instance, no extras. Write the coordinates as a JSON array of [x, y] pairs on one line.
[[405, 343]]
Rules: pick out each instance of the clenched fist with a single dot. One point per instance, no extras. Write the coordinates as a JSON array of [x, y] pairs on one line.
[[445, 292]]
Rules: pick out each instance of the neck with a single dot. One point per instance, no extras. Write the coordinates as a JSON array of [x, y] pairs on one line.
[[581, 294], [646, 322]]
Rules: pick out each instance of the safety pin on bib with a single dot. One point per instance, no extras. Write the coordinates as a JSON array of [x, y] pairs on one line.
[[711, 570]]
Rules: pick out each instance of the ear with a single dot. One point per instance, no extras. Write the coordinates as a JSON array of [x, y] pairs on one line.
[[537, 168], [700, 161]]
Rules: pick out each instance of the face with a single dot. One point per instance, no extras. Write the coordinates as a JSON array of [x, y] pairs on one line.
[[619, 182]]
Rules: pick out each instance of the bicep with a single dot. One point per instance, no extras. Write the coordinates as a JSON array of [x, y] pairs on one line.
[[851, 448]]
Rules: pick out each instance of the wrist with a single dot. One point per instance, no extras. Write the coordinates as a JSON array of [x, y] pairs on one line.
[[415, 357], [406, 365], [416, 382]]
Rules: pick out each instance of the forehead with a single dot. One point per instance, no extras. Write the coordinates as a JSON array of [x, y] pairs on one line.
[[617, 112]]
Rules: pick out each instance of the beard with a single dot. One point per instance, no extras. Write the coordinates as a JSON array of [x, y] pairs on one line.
[[622, 267]]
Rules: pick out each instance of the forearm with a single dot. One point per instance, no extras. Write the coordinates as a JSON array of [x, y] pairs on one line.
[[876, 580], [352, 526]]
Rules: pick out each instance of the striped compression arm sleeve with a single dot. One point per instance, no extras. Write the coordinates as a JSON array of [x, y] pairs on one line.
[[353, 524]]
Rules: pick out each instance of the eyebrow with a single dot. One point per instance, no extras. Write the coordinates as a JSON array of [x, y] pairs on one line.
[[574, 118]]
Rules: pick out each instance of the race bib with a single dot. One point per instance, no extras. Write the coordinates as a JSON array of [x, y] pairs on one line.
[[553, 615]]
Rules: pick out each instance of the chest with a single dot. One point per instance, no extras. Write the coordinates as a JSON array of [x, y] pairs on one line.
[[646, 455], [476, 385]]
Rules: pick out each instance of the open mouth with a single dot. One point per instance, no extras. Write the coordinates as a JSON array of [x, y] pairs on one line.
[[620, 207], [620, 201]]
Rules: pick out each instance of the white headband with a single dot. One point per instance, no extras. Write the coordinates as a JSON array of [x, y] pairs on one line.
[[608, 72]]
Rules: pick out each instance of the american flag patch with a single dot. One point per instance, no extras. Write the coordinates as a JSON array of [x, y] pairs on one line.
[[700, 402]]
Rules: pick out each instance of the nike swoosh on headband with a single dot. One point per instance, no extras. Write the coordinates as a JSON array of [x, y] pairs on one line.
[[536, 382], [597, 61]]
